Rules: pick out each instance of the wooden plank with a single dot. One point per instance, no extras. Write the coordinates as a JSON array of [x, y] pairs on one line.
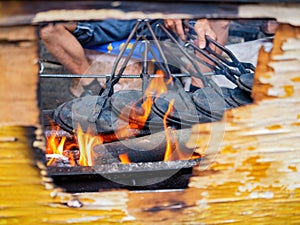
[[26, 12], [287, 13], [19, 76], [17, 33], [19, 12], [283, 13], [257, 156], [22, 191], [251, 178]]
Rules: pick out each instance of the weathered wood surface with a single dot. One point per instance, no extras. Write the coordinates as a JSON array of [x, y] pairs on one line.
[[19, 76], [252, 177], [284, 13], [24, 195], [253, 154], [258, 156], [28, 12]]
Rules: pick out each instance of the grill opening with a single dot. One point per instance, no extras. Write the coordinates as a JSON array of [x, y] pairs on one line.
[[125, 132]]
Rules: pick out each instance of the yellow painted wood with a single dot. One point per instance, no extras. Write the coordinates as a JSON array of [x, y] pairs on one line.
[[255, 165], [251, 174], [24, 199]]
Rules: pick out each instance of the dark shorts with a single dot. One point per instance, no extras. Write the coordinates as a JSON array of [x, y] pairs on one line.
[[95, 33]]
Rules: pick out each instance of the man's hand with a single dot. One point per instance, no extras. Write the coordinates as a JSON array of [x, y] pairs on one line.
[[215, 29], [175, 25], [203, 28]]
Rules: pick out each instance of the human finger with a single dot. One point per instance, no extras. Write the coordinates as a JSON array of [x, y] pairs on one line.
[[179, 29], [203, 28], [170, 24], [175, 25]]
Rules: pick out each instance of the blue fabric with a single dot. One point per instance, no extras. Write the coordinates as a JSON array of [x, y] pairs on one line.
[[95, 33], [116, 46]]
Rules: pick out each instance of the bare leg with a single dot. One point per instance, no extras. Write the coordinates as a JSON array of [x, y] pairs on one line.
[[60, 42]]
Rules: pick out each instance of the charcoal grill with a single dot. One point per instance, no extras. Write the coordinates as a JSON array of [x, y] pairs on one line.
[[104, 114]]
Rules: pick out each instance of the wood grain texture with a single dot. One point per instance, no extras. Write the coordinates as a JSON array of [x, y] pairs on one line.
[[251, 174], [19, 76], [27, 197], [28, 12], [258, 156], [284, 13]]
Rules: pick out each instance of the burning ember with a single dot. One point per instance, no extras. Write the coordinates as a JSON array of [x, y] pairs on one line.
[[78, 152]]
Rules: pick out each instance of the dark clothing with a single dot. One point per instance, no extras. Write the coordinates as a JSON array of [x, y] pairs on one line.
[[95, 33]]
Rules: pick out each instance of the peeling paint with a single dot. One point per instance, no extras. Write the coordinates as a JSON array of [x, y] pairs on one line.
[[248, 187], [295, 124], [265, 194], [85, 219], [228, 149], [128, 218], [289, 90], [288, 13], [251, 148], [202, 203], [291, 44], [274, 127], [293, 168], [295, 79], [100, 14]]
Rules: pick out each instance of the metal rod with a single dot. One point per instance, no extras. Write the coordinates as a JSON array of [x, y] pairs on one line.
[[235, 62], [120, 55], [128, 57], [145, 75], [74, 75], [145, 57], [130, 76], [200, 75], [221, 67], [162, 55], [201, 51]]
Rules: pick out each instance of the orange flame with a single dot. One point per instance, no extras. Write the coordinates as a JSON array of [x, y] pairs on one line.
[[139, 115], [173, 151], [49, 163], [55, 145], [157, 85], [138, 119], [124, 158], [86, 142], [169, 148]]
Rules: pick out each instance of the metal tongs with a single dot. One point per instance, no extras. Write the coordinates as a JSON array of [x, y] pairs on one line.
[[219, 63], [161, 61]]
